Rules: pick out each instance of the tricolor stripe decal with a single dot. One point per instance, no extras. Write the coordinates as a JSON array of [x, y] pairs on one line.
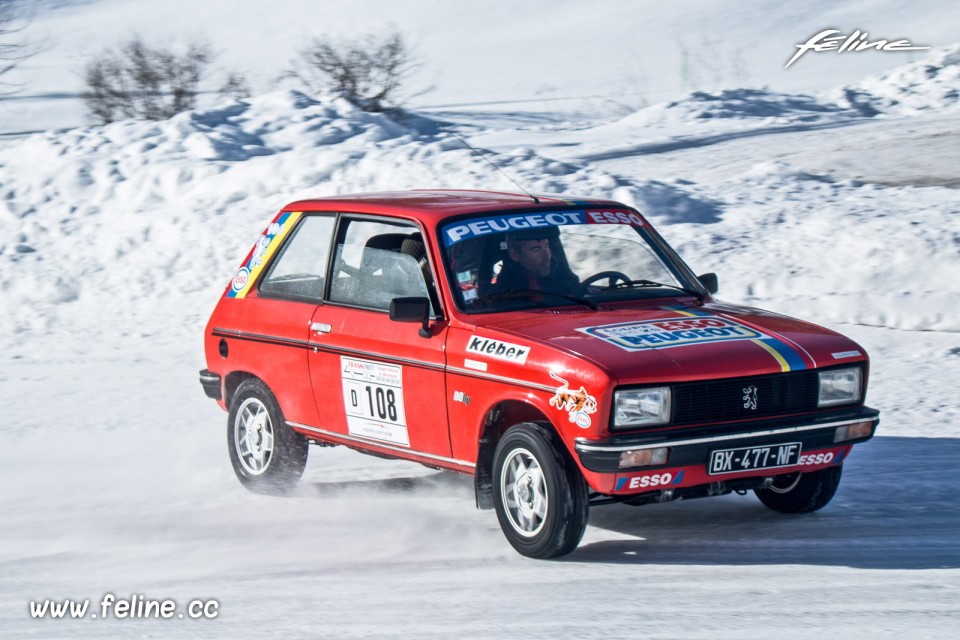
[[788, 358], [261, 253], [785, 353]]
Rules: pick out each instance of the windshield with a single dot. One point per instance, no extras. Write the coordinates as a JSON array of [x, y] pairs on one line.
[[499, 262]]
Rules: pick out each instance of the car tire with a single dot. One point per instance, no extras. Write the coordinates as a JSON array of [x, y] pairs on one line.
[[267, 455], [539, 493], [801, 492]]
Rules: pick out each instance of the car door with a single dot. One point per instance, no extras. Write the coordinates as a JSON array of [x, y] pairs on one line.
[[378, 381]]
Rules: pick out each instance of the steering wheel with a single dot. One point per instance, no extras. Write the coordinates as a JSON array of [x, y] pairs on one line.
[[612, 276]]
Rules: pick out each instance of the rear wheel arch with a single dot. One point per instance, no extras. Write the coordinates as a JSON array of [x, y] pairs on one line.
[[232, 381]]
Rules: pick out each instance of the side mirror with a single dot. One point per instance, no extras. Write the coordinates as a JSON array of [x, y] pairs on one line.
[[414, 309], [710, 281]]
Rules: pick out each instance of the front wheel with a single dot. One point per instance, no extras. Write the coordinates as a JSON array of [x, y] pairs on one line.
[[267, 455], [539, 494], [801, 492]]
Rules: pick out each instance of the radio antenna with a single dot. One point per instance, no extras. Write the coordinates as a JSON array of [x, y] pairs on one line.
[[490, 162]]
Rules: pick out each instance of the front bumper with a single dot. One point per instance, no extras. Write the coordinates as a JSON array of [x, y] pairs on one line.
[[692, 447]]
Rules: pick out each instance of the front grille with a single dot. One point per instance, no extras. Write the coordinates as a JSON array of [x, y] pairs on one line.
[[734, 398]]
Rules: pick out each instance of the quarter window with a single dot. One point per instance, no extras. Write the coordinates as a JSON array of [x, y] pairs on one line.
[[299, 270]]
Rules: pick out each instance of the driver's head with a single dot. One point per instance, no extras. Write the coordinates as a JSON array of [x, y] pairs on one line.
[[530, 249]]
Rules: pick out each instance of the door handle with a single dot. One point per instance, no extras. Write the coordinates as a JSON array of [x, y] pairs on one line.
[[320, 327]]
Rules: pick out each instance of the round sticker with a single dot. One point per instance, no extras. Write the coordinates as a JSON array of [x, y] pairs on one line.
[[582, 419], [240, 279]]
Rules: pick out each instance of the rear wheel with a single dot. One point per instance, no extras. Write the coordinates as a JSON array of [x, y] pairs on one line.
[[801, 492], [539, 494], [267, 455]]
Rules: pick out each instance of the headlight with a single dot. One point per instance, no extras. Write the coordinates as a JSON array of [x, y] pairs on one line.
[[639, 407], [840, 386]]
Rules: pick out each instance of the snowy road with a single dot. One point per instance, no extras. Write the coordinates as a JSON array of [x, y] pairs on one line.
[[141, 500]]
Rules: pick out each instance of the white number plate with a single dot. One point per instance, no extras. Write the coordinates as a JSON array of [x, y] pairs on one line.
[[753, 458]]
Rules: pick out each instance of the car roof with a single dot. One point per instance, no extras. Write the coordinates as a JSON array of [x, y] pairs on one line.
[[434, 205]]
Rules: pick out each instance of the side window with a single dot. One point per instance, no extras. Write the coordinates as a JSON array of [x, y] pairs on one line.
[[376, 262], [299, 270]]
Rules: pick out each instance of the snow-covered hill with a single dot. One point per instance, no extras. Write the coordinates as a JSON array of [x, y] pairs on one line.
[[544, 55], [927, 85], [838, 205]]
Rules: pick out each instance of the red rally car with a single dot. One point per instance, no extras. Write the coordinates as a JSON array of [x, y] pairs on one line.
[[556, 349]]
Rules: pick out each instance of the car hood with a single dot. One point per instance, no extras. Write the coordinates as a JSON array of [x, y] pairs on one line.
[[679, 342]]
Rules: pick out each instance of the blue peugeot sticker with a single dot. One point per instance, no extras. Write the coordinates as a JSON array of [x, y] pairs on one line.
[[459, 231]]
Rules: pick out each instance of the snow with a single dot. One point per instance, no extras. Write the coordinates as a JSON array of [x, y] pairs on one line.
[[926, 85], [827, 192]]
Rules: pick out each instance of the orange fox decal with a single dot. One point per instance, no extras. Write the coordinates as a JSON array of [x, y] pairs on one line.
[[578, 404]]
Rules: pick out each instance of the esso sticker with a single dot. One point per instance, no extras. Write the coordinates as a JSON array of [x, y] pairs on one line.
[[816, 458], [676, 332], [240, 279], [650, 480], [615, 217], [655, 480]]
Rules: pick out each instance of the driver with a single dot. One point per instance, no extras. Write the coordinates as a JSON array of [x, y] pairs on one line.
[[532, 264]]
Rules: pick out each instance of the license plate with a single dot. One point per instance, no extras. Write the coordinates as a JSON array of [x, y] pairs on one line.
[[753, 458]]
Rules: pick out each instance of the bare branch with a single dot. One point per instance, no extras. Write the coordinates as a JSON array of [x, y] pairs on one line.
[[13, 49], [371, 71], [149, 83]]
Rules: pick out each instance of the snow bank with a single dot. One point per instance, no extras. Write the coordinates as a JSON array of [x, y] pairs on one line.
[[930, 84], [927, 85], [113, 225], [832, 251], [116, 225], [749, 106]]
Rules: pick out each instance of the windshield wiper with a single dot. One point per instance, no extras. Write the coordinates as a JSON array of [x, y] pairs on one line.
[[629, 284], [518, 293]]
